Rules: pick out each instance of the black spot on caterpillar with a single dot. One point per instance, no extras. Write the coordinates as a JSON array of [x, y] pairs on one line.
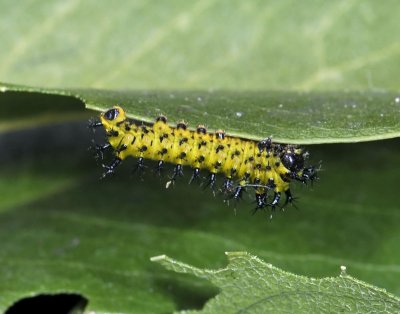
[[264, 166]]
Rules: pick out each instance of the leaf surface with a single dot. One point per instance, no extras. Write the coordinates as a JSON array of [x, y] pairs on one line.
[[256, 45], [249, 285]]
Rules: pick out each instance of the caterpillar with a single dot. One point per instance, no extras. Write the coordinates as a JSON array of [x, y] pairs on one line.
[[264, 166]]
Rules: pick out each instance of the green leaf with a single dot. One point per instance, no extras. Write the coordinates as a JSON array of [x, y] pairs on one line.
[[290, 117], [250, 285], [64, 231], [258, 45]]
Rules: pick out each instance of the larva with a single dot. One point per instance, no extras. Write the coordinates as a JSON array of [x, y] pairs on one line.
[[264, 166]]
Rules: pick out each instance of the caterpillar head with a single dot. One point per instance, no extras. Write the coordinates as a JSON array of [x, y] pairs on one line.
[[112, 117], [293, 160]]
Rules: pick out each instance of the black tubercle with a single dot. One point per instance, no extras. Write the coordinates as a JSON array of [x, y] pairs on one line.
[[110, 169], [181, 125], [201, 129], [265, 145], [220, 134], [112, 133], [162, 119]]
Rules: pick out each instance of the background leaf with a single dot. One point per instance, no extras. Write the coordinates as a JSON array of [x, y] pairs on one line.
[[250, 285], [236, 45], [64, 230]]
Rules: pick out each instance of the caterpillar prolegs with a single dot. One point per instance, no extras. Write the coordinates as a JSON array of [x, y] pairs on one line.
[[265, 167]]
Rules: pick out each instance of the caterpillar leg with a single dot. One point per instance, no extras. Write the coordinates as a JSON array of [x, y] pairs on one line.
[[238, 193], [289, 199], [139, 166], [159, 168], [121, 148], [110, 169], [227, 186], [99, 150], [212, 179], [309, 174], [261, 201], [178, 172], [195, 175], [94, 123], [275, 201]]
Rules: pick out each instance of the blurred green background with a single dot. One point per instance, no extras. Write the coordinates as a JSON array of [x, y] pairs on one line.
[[200, 45]]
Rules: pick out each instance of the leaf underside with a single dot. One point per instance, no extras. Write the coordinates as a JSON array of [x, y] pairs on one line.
[[289, 117]]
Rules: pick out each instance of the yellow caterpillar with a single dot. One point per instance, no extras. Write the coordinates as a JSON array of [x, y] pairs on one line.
[[264, 166]]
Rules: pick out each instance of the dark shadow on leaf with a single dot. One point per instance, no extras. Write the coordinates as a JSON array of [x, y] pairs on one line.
[[15, 106], [187, 295], [62, 303]]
